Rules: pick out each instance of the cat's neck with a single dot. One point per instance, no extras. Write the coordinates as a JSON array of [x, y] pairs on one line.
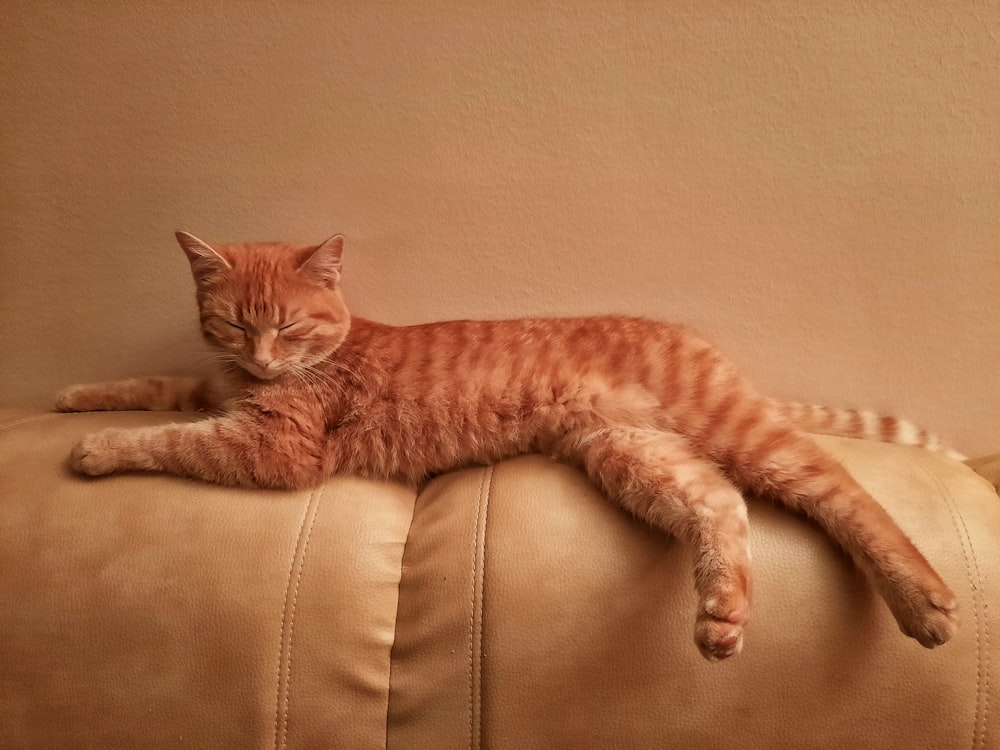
[[350, 362], [359, 338]]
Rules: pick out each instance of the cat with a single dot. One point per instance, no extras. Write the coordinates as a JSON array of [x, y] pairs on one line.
[[651, 412]]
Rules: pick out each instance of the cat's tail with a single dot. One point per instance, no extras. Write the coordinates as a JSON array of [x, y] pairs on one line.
[[858, 423]]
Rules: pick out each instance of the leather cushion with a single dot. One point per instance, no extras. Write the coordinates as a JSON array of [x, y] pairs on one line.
[[510, 606]]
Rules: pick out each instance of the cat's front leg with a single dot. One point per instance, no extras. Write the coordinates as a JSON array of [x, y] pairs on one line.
[[156, 393], [237, 451]]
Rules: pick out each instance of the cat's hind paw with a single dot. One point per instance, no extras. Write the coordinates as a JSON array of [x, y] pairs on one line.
[[719, 635], [931, 617]]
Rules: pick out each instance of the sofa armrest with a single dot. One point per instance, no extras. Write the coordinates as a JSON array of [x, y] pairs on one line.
[[142, 611], [509, 606], [572, 625]]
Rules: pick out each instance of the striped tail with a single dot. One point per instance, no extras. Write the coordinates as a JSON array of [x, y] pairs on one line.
[[858, 423]]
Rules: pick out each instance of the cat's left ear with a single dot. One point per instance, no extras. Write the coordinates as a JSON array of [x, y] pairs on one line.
[[323, 263], [206, 262]]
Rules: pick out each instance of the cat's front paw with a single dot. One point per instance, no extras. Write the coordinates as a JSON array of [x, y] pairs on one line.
[[98, 453], [80, 398]]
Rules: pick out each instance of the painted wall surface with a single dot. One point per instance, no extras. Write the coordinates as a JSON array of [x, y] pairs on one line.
[[815, 186]]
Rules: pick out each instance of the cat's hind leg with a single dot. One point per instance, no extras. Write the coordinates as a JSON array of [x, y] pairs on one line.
[[657, 477], [777, 461], [155, 393]]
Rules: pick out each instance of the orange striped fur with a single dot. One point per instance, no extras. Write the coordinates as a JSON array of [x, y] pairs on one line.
[[859, 423], [653, 414]]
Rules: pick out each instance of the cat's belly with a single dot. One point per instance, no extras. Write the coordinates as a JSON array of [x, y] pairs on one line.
[[414, 454], [415, 439]]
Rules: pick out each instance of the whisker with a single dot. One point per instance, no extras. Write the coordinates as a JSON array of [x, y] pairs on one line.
[[314, 377], [344, 368]]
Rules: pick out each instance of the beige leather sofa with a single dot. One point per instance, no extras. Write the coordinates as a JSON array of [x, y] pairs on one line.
[[509, 607]]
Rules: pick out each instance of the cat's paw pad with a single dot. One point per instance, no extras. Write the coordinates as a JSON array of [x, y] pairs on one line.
[[78, 398], [930, 616], [720, 635], [97, 454]]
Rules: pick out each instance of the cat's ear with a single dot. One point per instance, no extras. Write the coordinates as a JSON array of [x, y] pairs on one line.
[[322, 263], [205, 260]]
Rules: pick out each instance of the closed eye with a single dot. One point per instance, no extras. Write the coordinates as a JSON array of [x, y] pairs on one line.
[[289, 325], [238, 328]]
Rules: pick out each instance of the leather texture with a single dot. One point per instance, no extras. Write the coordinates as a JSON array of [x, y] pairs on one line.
[[508, 606]]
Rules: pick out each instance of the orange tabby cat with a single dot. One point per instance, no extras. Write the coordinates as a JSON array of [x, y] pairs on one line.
[[651, 412]]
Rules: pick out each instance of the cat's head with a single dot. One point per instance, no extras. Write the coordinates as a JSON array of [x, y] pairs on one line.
[[272, 308]]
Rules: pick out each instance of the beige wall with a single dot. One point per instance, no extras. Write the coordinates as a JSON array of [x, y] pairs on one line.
[[814, 185]]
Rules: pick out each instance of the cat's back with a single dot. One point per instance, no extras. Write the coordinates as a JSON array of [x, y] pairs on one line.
[[521, 332], [445, 355]]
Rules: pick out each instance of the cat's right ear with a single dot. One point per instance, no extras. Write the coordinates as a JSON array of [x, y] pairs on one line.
[[205, 260]]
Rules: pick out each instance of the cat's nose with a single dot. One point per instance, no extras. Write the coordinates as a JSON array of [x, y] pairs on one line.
[[262, 362]]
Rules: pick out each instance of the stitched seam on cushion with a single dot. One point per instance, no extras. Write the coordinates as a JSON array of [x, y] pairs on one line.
[[284, 654], [395, 630], [26, 420], [975, 585], [482, 604], [318, 495], [472, 610], [475, 635]]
